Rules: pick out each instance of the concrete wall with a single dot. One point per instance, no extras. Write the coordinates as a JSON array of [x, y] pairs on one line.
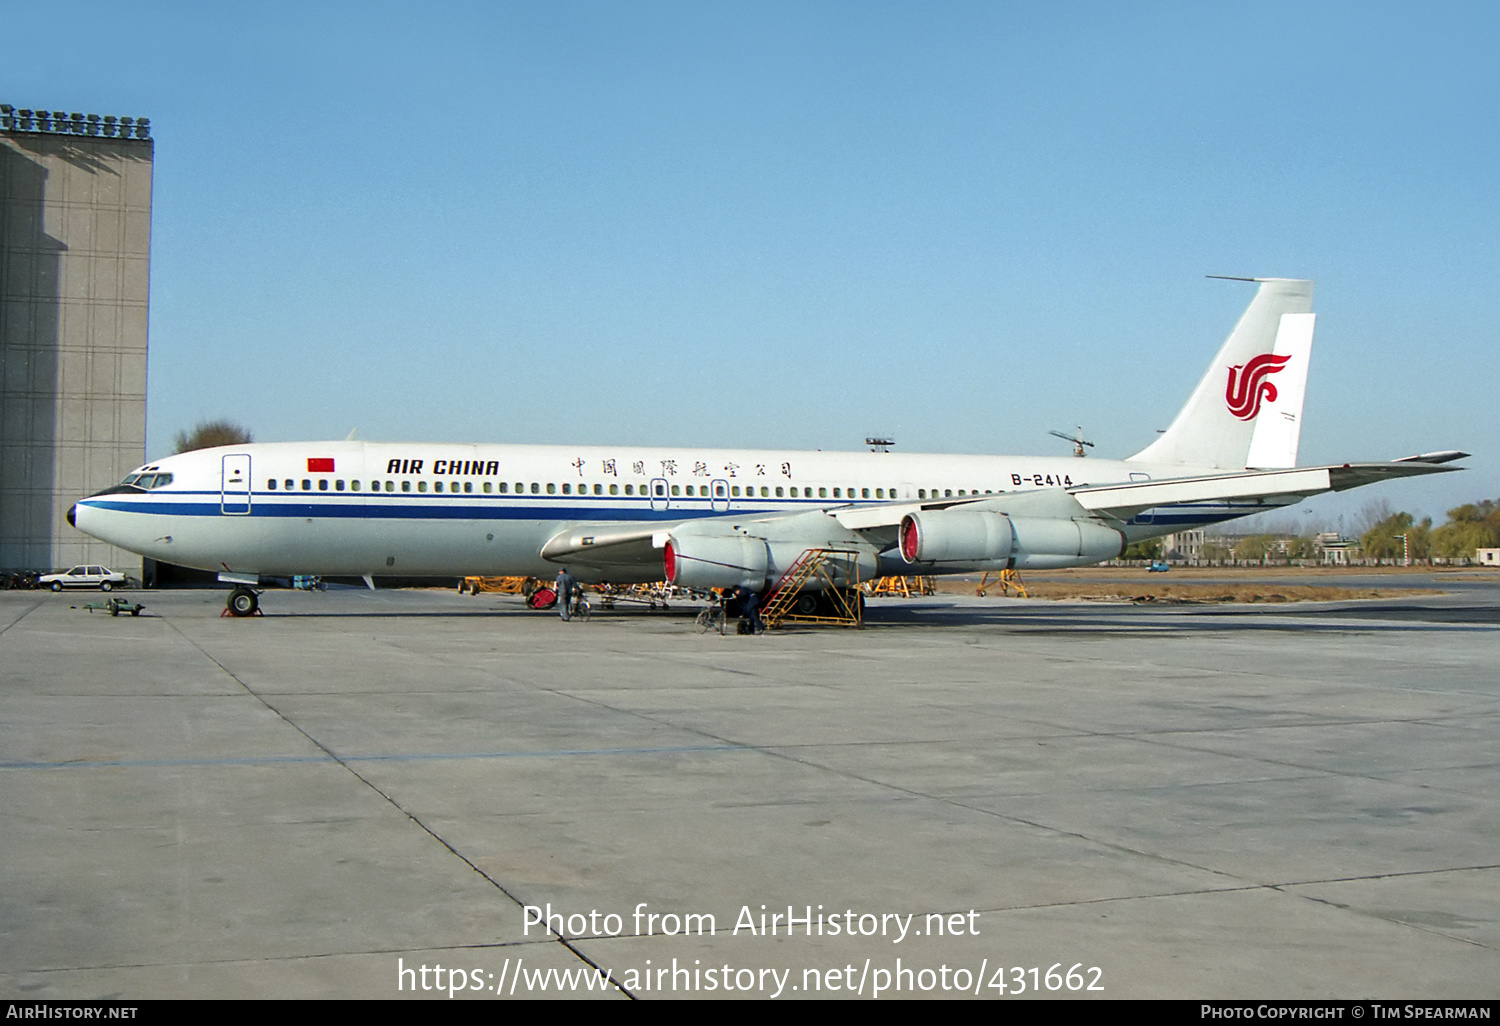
[[75, 242]]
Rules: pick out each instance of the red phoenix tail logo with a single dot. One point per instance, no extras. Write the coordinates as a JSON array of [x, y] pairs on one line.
[[1248, 385]]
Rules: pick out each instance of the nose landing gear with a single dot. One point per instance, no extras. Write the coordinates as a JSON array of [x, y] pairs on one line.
[[242, 601]]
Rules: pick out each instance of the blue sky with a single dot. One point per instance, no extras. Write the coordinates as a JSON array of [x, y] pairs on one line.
[[792, 225]]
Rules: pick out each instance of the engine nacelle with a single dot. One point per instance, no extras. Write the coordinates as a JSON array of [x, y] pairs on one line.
[[698, 561], [1046, 543], [956, 536], [979, 540]]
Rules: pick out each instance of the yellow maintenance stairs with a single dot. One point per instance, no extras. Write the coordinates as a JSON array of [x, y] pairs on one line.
[[796, 600], [1007, 579]]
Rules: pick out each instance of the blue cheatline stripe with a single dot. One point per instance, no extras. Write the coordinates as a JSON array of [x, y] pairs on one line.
[[413, 510], [546, 507], [276, 760]]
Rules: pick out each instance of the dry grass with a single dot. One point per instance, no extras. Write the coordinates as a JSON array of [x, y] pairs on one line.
[[1114, 585]]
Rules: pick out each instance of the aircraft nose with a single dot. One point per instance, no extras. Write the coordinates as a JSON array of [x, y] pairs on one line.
[[72, 510]]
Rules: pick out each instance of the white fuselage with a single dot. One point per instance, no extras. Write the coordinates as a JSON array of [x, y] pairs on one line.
[[408, 509]]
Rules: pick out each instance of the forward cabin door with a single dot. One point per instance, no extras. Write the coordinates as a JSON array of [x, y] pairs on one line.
[[234, 493]]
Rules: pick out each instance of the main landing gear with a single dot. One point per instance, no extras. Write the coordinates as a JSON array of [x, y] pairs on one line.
[[242, 601]]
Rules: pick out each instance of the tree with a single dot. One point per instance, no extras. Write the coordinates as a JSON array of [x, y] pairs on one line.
[[1214, 551], [210, 433], [1299, 547], [1149, 549], [1383, 541], [1254, 547], [1469, 527]]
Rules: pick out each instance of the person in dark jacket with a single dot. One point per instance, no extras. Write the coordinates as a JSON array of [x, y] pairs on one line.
[[565, 585]]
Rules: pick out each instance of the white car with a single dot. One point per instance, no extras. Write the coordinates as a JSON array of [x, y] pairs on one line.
[[100, 577]]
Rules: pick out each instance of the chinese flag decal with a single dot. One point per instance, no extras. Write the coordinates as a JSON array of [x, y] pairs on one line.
[[319, 465]]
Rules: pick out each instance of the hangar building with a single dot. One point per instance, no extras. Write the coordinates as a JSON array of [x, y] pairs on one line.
[[75, 249]]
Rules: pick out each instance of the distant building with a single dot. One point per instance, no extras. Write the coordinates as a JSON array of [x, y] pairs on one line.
[[1336, 549], [1183, 546], [75, 252], [1487, 557]]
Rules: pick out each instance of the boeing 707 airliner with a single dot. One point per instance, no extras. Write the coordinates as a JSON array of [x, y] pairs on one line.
[[723, 517]]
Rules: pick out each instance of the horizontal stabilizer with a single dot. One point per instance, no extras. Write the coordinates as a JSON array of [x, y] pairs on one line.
[[1445, 456]]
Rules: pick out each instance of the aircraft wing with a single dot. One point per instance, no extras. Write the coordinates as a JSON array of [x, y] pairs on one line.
[[615, 546], [1123, 501]]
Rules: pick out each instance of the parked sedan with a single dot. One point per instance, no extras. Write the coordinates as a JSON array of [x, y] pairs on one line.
[[100, 577]]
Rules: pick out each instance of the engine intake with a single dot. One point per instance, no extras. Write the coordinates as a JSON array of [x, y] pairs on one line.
[[696, 561]]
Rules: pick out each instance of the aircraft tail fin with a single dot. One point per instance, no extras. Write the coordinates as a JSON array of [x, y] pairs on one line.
[[1247, 410]]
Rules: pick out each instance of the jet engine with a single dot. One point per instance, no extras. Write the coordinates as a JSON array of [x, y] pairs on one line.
[[716, 561], [979, 540]]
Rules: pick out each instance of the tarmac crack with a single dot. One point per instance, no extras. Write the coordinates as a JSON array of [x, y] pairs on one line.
[[412, 817]]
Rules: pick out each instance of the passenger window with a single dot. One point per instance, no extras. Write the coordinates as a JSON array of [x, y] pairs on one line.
[[614, 489], [354, 486], [290, 484], [551, 488], [778, 492], [406, 486], [322, 484], [822, 493], [765, 493], [734, 490], [690, 489], [536, 489], [271, 485], [437, 486], [835, 493], [676, 490], [567, 489], [864, 493], [390, 486], [421, 486], [306, 485], [630, 489], [468, 487], [661, 489], [487, 487], [921, 493]]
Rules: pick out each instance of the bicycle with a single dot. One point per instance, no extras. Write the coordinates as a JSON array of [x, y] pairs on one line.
[[712, 617], [578, 605]]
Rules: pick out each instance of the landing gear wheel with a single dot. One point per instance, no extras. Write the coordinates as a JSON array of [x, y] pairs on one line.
[[807, 604], [243, 602]]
